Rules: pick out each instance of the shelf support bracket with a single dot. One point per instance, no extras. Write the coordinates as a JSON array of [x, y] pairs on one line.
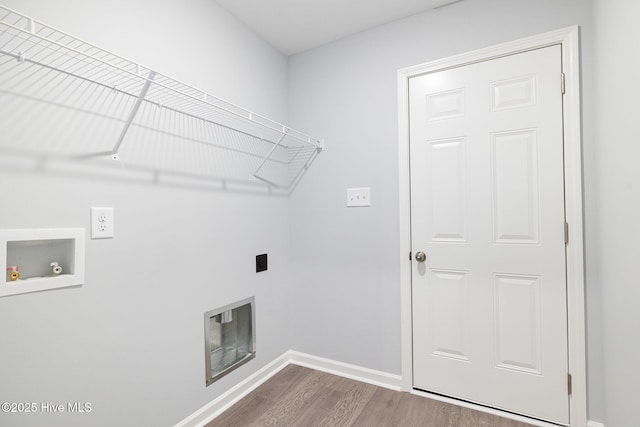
[[284, 133], [132, 114]]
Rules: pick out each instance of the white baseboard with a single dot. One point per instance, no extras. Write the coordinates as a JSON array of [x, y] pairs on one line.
[[217, 406], [211, 410], [358, 373], [382, 379]]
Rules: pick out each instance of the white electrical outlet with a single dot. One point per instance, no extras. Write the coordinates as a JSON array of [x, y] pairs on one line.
[[101, 223], [359, 197]]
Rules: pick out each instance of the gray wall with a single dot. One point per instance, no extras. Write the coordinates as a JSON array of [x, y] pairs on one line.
[[345, 261], [618, 208], [130, 340]]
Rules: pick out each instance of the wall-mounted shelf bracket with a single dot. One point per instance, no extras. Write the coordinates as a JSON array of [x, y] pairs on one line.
[[256, 173], [132, 114]]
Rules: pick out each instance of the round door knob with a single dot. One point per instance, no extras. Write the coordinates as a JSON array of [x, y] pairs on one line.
[[421, 256]]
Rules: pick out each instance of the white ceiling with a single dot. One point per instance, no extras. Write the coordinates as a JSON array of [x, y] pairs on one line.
[[293, 26]]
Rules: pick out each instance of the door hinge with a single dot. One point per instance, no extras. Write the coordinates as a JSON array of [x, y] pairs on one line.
[[566, 233], [563, 84], [409, 256], [569, 384]]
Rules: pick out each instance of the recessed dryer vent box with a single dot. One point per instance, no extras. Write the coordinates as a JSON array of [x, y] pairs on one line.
[[41, 259], [229, 338]]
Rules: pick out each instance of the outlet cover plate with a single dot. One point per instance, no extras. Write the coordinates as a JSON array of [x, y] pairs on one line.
[[359, 197], [102, 223]]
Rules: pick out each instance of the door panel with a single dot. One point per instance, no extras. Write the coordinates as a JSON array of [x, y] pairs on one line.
[[487, 207], [518, 321], [448, 211], [514, 178], [448, 318]]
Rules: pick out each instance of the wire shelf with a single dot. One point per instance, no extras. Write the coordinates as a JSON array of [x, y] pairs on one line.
[[62, 95]]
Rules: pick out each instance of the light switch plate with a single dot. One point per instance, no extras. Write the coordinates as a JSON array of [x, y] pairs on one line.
[[359, 197]]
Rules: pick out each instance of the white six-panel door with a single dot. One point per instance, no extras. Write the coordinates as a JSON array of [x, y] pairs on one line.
[[487, 209]]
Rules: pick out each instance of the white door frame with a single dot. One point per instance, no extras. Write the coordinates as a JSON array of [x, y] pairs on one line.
[[568, 38]]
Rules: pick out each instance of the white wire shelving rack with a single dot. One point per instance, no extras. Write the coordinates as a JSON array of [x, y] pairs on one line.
[[62, 95]]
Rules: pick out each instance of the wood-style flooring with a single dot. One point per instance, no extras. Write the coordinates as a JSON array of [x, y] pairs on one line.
[[298, 396]]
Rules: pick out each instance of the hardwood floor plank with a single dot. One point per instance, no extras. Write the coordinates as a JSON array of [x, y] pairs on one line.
[[354, 398], [282, 382], [411, 411], [303, 397], [483, 419], [293, 403], [504, 422], [476, 418], [325, 401], [256, 403], [242, 413], [443, 414], [379, 409]]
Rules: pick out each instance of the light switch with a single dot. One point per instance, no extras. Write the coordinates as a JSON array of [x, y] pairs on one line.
[[359, 197]]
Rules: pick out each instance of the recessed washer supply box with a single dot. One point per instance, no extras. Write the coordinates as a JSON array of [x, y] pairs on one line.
[[45, 259]]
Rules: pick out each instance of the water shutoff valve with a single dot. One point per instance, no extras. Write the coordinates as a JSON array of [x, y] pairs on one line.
[[55, 268], [15, 274]]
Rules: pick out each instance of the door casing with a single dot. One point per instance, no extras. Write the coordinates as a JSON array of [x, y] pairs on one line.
[[568, 38]]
